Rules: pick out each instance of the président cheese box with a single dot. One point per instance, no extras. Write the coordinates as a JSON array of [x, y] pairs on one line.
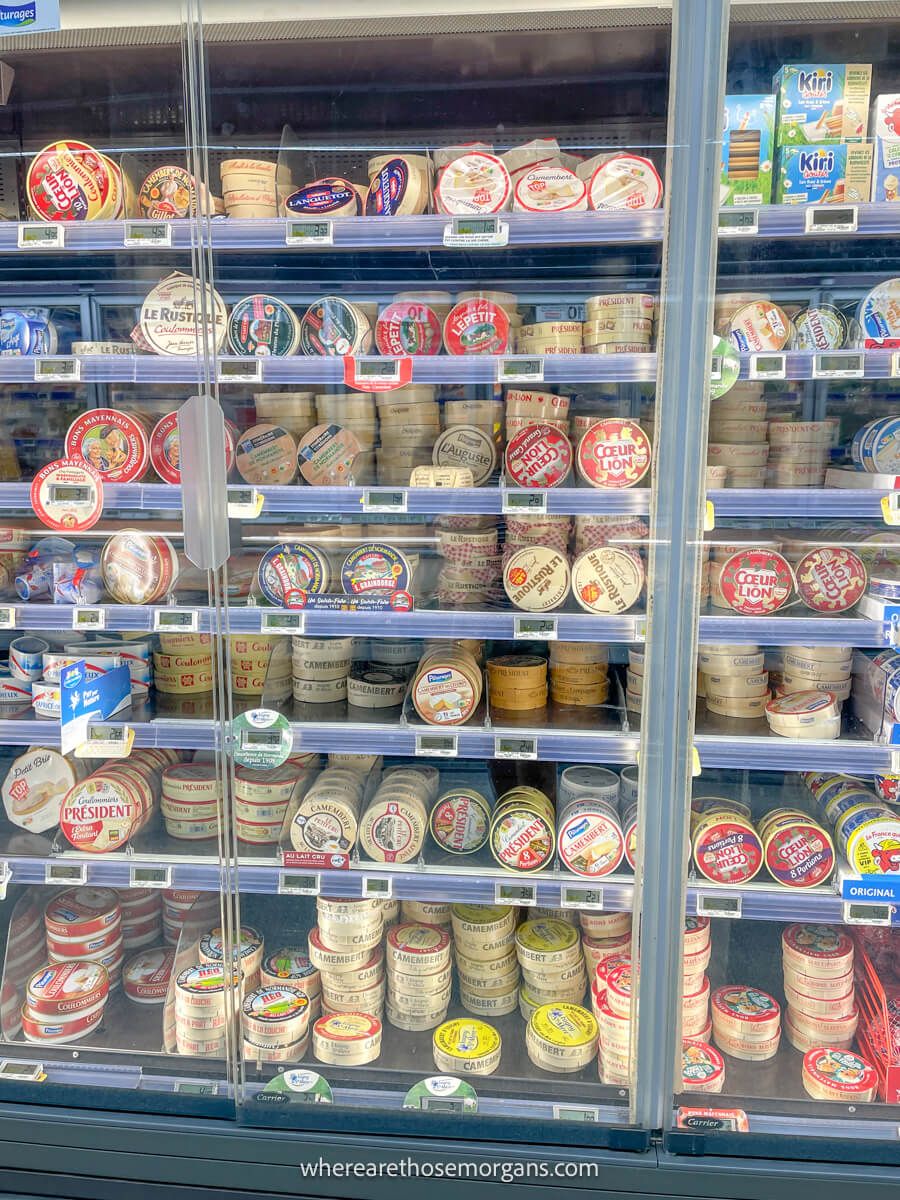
[[748, 148], [885, 124], [840, 174], [822, 103]]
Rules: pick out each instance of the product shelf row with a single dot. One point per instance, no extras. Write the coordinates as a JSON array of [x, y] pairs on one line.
[[428, 231], [604, 745], [575, 501], [435, 369], [757, 901], [498, 625]]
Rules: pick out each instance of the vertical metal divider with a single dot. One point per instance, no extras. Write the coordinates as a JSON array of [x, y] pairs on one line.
[[216, 500], [696, 97]]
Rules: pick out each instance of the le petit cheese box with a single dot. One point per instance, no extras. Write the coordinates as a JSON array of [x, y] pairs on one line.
[[748, 145], [824, 174], [820, 103]]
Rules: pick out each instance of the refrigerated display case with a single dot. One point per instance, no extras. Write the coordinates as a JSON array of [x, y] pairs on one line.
[[359, 372]]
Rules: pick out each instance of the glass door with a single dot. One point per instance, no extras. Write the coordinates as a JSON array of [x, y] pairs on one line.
[[110, 836], [441, 258], [790, 953]]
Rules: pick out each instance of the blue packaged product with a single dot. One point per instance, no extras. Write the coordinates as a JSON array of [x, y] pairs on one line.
[[329, 197], [748, 148], [824, 174], [374, 568], [820, 103], [882, 453], [289, 571], [26, 331]]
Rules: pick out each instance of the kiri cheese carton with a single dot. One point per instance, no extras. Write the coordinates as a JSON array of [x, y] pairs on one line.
[[822, 104], [824, 174], [748, 146], [886, 132]]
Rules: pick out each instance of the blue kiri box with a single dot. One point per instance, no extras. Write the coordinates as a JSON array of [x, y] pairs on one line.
[[824, 174], [748, 145]]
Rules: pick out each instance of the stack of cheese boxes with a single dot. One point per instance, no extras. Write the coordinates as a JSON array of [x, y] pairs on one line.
[[579, 673], [470, 573], [253, 671], [818, 985], [345, 947], [738, 449], [811, 669], [486, 960], [799, 453], [184, 663], [733, 680], [191, 801], [418, 975], [410, 422], [355, 412], [320, 668]]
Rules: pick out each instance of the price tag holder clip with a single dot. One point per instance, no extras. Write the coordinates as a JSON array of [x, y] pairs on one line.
[[150, 877], [41, 236], [308, 233], [509, 746], [378, 501], [107, 741], [240, 370], [486, 232], [292, 884], [520, 370], [719, 906], [738, 222], [437, 745], [523, 895], [187, 620], [244, 504], [57, 370], [147, 233]]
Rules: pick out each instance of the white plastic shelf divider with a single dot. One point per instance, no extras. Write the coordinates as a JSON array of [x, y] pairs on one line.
[[174, 733], [792, 754], [355, 233], [422, 501], [448, 623], [762, 901], [787, 630], [443, 369], [796, 502], [412, 881], [552, 745]]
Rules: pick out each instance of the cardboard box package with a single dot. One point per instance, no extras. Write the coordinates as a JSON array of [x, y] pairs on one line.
[[820, 104], [824, 174], [748, 146], [886, 132]]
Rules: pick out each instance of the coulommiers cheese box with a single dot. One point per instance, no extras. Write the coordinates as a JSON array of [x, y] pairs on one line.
[[748, 148]]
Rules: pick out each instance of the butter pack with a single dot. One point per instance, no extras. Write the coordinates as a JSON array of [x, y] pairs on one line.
[[748, 146], [824, 174], [822, 104]]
